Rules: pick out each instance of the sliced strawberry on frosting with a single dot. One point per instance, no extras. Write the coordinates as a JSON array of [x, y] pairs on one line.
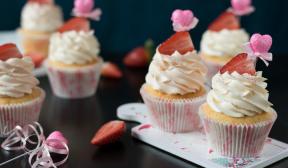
[[76, 24], [9, 50], [36, 58], [226, 20], [241, 64], [41, 1], [180, 41]]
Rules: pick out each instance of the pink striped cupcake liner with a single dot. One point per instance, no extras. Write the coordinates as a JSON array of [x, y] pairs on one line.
[[240, 141], [21, 114], [175, 116], [74, 83]]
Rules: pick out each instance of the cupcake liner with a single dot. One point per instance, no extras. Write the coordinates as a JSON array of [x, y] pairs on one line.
[[35, 42], [21, 114], [240, 141], [178, 115], [73, 83]]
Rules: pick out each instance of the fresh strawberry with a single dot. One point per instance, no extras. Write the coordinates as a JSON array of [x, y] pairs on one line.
[[41, 1], [9, 50], [111, 70], [226, 20], [36, 58], [180, 41], [77, 24], [109, 133], [241, 64]]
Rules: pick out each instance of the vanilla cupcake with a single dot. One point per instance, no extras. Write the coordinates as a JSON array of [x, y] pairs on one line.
[[20, 98], [74, 64], [39, 19], [237, 116]]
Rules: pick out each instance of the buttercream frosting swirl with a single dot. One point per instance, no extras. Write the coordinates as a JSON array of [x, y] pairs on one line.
[[41, 17], [176, 73], [74, 47], [16, 77], [238, 95], [224, 43]]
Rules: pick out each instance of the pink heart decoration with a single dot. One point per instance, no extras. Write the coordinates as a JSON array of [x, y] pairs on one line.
[[183, 20], [240, 4], [260, 43], [83, 6], [57, 135]]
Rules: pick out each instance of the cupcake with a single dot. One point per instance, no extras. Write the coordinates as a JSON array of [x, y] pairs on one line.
[[237, 116], [224, 38], [20, 98], [39, 19], [73, 64], [174, 86]]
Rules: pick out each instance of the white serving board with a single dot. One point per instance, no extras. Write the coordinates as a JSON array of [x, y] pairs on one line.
[[12, 37], [193, 146]]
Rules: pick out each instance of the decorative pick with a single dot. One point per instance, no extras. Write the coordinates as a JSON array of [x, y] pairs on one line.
[[183, 20]]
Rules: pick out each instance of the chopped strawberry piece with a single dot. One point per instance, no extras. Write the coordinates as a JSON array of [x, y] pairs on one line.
[[111, 70], [9, 50], [36, 58], [138, 57], [180, 41], [109, 133], [42, 1], [77, 24], [241, 64], [226, 20]]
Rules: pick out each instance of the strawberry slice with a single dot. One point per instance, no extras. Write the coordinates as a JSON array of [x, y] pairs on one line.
[[241, 64], [36, 58], [226, 20], [109, 133], [111, 70], [41, 1], [180, 41], [77, 24], [9, 50]]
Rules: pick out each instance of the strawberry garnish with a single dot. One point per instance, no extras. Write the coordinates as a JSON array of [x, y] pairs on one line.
[[36, 58], [180, 41], [241, 64], [76, 24], [226, 20], [41, 1], [9, 50], [111, 70], [109, 133]]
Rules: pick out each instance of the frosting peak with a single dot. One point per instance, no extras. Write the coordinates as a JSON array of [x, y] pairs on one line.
[[238, 95], [176, 73]]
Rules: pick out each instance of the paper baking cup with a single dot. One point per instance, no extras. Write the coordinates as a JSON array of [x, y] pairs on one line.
[[178, 115], [73, 83], [240, 141], [19, 114], [35, 42]]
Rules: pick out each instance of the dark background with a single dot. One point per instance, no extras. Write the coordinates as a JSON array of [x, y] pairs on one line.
[[128, 23]]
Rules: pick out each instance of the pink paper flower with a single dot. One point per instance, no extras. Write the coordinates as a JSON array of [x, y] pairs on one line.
[[183, 20], [84, 8], [241, 7], [259, 47]]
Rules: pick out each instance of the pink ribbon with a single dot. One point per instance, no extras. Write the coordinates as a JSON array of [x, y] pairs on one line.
[[183, 20], [84, 8], [259, 46], [40, 155], [241, 7]]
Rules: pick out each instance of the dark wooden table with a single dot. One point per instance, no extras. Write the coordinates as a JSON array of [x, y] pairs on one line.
[[79, 119]]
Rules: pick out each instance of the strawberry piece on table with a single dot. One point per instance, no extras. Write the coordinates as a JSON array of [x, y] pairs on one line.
[[180, 41], [109, 132], [111, 70], [41, 1], [241, 64], [36, 58], [226, 20], [9, 50], [76, 24]]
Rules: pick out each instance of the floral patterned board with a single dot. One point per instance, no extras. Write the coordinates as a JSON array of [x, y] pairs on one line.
[[12, 37], [193, 146]]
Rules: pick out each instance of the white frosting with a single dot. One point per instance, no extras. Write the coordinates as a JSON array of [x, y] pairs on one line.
[[41, 17], [239, 95], [74, 47], [16, 77], [224, 43], [176, 73]]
